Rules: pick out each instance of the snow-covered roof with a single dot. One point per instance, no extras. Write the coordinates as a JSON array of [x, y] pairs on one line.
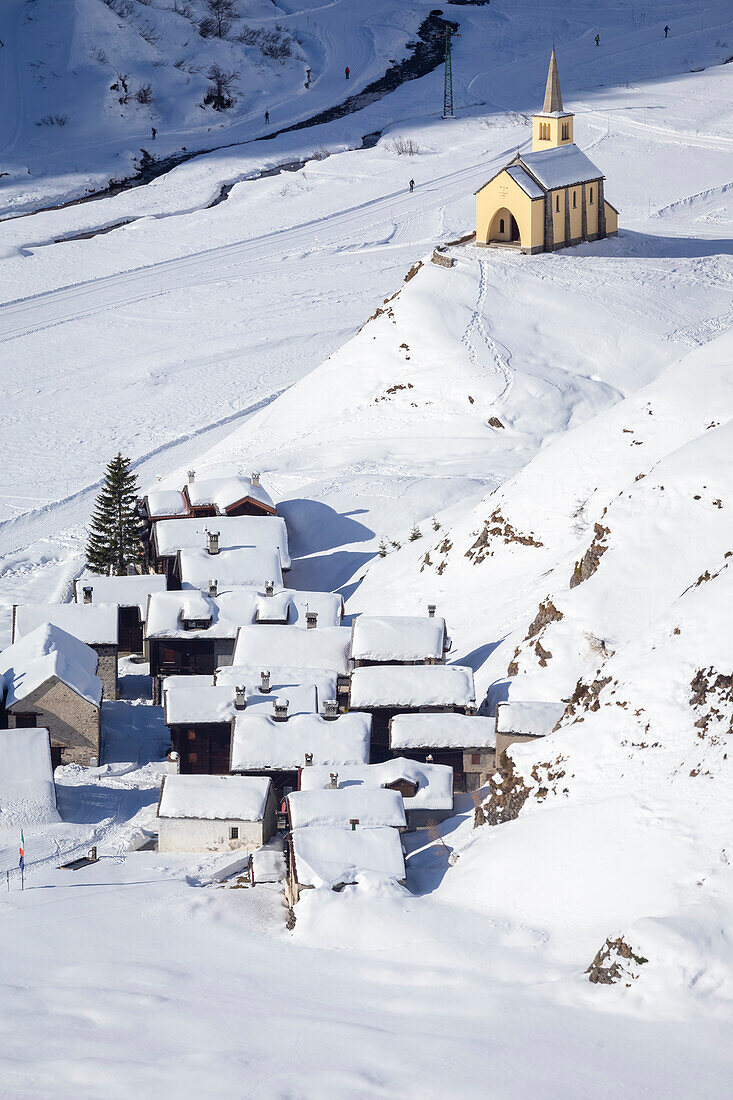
[[370, 806], [412, 686], [214, 797], [123, 591], [225, 492], [281, 680], [195, 699], [434, 781], [95, 624], [325, 647], [289, 607], [560, 167], [172, 535], [27, 792], [45, 652], [225, 613], [166, 502], [397, 638], [258, 742], [326, 856], [247, 566], [441, 731], [532, 719], [528, 185]]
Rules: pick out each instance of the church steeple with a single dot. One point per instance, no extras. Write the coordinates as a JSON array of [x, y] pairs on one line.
[[553, 95], [552, 126]]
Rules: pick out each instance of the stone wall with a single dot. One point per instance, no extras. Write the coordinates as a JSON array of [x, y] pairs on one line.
[[74, 722], [504, 740], [200, 835], [477, 773], [107, 669]]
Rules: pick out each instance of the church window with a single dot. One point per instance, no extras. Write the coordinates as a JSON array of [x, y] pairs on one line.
[[590, 197], [574, 200], [557, 204], [565, 131]]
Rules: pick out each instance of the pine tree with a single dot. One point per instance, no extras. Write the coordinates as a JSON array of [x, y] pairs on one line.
[[114, 538], [415, 533]]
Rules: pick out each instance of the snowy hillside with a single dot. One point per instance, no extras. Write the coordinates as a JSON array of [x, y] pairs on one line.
[[539, 445]]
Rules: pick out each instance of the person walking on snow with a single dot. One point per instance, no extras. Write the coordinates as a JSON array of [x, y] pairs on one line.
[[346, 70], [267, 117], [666, 32], [598, 40], [412, 186], [154, 132]]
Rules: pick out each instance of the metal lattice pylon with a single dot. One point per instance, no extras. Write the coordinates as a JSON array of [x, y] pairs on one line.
[[448, 82]]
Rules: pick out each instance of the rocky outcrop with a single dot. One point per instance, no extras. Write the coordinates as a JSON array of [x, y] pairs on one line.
[[588, 564], [615, 962]]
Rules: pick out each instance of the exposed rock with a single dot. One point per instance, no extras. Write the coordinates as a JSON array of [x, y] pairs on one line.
[[584, 698], [494, 422], [546, 613], [508, 793], [588, 564], [714, 692], [496, 527], [615, 962]]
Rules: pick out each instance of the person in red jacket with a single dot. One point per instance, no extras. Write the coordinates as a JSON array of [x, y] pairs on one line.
[[346, 70]]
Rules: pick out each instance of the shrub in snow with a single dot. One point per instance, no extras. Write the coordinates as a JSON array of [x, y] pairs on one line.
[[218, 94], [150, 34], [53, 120], [404, 147], [271, 43], [182, 9], [415, 533], [121, 8], [218, 22], [144, 94]]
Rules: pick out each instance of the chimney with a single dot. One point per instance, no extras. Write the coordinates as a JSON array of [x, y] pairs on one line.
[[353, 822], [265, 681], [429, 758], [191, 476], [308, 759], [240, 697], [255, 479], [87, 590], [269, 588], [212, 542], [431, 610], [334, 781], [174, 763], [213, 590], [311, 619], [331, 709], [280, 709]]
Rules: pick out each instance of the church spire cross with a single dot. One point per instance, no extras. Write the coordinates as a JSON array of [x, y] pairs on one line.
[[553, 96]]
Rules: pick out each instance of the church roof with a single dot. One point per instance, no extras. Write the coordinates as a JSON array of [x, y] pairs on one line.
[[528, 185], [553, 95], [561, 167]]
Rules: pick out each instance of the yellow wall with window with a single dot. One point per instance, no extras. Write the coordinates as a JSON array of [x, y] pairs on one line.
[[549, 131], [503, 193]]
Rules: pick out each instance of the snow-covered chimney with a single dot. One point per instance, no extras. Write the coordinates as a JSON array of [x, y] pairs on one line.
[[334, 781], [308, 759], [212, 542], [240, 697], [213, 587], [87, 590], [174, 763], [330, 709], [280, 709], [269, 588], [311, 619], [429, 758], [191, 476], [255, 479], [431, 610], [265, 681]]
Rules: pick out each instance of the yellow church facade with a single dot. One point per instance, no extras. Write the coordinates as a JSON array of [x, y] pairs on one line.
[[550, 198]]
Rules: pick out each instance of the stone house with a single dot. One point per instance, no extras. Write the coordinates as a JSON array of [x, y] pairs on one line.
[[325, 649], [334, 857], [399, 640], [94, 624], [524, 721], [48, 679], [463, 742], [215, 813]]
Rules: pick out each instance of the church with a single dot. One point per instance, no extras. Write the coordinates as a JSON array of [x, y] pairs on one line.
[[550, 198]]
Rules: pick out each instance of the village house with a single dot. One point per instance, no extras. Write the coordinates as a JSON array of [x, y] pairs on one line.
[[524, 721], [399, 640], [48, 679], [463, 742], [198, 714], [426, 789], [169, 536], [346, 807], [322, 649], [550, 198], [387, 690], [244, 567], [93, 624], [27, 789], [215, 813], [269, 683], [214, 496], [281, 743], [130, 596], [334, 857]]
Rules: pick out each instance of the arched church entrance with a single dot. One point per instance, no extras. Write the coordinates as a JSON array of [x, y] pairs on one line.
[[504, 228]]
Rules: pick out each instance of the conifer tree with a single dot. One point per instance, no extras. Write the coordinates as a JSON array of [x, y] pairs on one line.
[[114, 539]]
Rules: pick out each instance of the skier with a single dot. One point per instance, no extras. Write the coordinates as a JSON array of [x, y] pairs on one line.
[[267, 117], [346, 70], [412, 186], [598, 40], [666, 32], [154, 132]]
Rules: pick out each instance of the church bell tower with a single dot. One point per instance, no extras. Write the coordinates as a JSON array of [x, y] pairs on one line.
[[552, 127]]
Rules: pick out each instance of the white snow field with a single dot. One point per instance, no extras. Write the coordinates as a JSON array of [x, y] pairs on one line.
[[552, 430]]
